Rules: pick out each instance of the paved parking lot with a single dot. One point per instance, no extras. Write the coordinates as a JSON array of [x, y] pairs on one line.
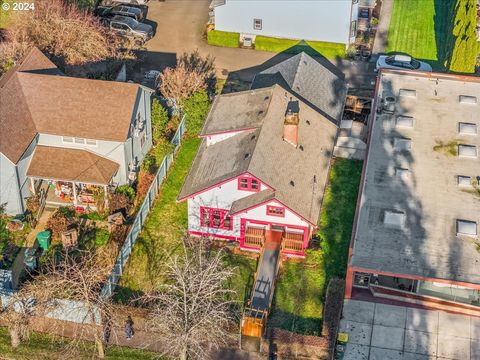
[[387, 332]]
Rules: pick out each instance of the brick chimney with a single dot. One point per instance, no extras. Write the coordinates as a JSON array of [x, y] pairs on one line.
[[290, 125]]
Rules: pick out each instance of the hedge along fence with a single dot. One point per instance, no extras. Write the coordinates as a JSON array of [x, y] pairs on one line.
[[143, 211], [333, 311], [465, 48]]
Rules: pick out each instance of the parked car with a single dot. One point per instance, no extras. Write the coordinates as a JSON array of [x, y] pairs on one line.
[[404, 62], [131, 2], [128, 27], [106, 12]]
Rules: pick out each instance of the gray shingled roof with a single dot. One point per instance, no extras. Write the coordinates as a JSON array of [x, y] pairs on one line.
[[252, 200], [263, 153], [309, 80]]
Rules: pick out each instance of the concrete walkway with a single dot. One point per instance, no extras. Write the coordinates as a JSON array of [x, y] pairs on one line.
[[381, 37], [386, 332]]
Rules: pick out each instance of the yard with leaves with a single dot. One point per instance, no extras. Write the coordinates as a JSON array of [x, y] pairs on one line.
[[301, 287]]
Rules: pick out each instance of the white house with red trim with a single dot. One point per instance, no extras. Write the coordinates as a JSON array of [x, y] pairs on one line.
[[262, 166]]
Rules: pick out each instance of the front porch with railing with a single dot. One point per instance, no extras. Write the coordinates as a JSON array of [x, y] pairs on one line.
[[292, 242]]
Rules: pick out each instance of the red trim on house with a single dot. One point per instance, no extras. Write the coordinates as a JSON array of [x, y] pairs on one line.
[[248, 181], [199, 233], [278, 211], [276, 201], [221, 183], [211, 212], [416, 277], [227, 132]]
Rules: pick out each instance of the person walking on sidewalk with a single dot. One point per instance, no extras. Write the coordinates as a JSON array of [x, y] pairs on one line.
[[129, 332]]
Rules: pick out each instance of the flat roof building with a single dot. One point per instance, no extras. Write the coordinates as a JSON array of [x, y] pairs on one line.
[[416, 230]]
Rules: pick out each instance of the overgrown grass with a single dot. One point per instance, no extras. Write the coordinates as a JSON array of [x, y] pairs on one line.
[[441, 32], [300, 291], [5, 15], [327, 49], [223, 38], [45, 347]]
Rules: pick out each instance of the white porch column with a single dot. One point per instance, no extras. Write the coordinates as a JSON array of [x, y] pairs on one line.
[[32, 183], [105, 187], [74, 194]]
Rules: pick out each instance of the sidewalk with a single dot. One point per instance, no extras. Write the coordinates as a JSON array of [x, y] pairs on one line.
[[381, 37]]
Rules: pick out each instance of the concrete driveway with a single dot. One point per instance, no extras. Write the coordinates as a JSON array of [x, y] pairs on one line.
[[180, 27], [387, 332]]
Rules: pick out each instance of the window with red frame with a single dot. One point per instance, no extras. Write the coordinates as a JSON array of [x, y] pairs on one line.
[[275, 211], [248, 184], [215, 218]]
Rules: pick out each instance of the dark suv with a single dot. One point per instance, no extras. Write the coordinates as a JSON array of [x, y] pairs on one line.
[[108, 12], [131, 28]]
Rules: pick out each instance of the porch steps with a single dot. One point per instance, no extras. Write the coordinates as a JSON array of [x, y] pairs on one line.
[[259, 305]]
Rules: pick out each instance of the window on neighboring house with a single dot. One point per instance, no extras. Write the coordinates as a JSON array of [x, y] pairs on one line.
[[257, 24], [275, 211], [91, 142], [67, 139], [248, 184], [215, 218], [79, 140], [353, 29]]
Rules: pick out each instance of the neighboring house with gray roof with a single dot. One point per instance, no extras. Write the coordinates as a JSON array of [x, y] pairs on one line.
[[332, 21], [321, 87], [262, 165], [64, 136]]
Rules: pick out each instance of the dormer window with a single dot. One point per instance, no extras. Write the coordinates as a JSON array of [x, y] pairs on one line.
[[463, 180], [404, 121], [248, 184], [393, 218], [402, 144], [466, 99]]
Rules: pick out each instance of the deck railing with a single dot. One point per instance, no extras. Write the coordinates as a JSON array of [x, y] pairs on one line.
[[254, 237], [292, 242]]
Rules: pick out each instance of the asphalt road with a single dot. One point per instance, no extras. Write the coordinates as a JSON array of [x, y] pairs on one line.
[[180, 27]]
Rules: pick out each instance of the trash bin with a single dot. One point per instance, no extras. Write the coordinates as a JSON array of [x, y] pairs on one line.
[[43, 239]]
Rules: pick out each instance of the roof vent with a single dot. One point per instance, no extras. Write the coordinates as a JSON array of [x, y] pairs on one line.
[[253, 137], [308, 122], [402, 173], [260, 112], [404, 121], [467, 150], [402, 144], [466, 227], [408, 93], [266, 98], [466, 99], [467, 128], [301, 147], [247, 155], [463, 180], [292, 183], [393, 218]]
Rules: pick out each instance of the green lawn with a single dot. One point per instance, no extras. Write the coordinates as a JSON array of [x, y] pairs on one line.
[[223, 38], [300, 291], [45, 347], [328, 50], [442, 32], [5, 15]]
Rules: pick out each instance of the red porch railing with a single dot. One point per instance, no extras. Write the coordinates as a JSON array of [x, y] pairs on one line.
[[292, 242], [254, 237]]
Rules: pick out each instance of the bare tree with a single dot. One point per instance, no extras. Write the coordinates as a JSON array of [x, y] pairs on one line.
[[192, 73], [78, 278], [193, 309], [62, 30]]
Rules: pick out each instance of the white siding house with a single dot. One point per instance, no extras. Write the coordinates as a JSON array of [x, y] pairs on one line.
[[95, 133], [321, 20]]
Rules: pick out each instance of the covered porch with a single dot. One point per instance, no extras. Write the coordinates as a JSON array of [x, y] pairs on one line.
[[70, 177]]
